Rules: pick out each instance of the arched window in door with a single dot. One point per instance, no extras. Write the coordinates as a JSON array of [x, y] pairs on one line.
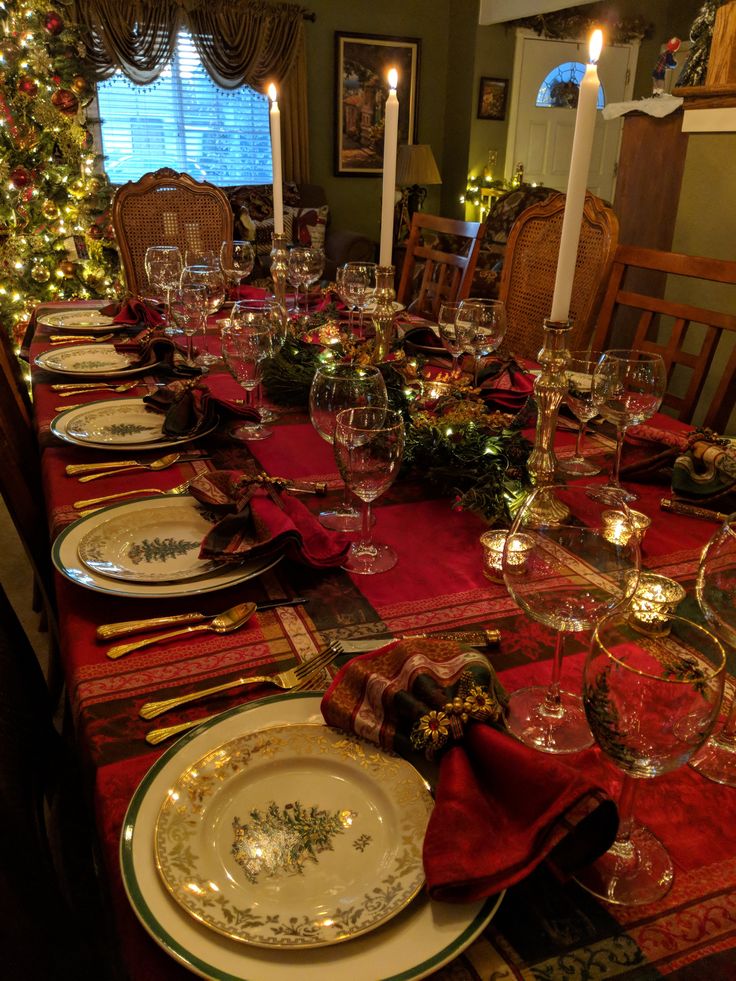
[[560, 88]]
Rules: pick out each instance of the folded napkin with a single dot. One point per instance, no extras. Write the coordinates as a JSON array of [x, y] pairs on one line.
[[133, 311], [423, 340], [258, 523], [247, 293], [650, 451], [152, 349], [500, 807], [191, 408], [505, 386], [707, 470]]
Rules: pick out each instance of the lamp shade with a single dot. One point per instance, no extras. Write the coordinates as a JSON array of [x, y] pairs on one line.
[[415, 164]]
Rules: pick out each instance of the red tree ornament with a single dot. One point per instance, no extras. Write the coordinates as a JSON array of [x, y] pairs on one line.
[[65, 101], [53, 23], [27, 86], [20, 177]]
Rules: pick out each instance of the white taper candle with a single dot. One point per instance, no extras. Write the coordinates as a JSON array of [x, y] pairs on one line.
[[278, 177], [390, 142]]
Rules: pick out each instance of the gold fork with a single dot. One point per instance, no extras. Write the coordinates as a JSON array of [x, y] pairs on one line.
[[179, 489], [284, 679]]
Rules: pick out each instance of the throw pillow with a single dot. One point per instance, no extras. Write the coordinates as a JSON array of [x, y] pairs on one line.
[[264, 233]]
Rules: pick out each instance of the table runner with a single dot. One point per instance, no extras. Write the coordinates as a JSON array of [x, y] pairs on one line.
[[543, 929]]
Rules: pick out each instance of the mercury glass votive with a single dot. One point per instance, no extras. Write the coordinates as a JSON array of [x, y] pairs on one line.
[[493, 543], [655, 600], [617, 529]]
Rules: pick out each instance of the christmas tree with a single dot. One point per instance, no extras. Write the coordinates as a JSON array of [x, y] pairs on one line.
[[56, 241]]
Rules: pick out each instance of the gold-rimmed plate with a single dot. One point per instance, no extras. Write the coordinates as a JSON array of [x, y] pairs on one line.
[[294, 837], [90, 321]]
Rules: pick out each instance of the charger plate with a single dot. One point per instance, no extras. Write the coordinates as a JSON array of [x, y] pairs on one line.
[[66, 424], [148, 545], [294, 837], [65, 556], [410, 946], [90, 361], [89, 321]]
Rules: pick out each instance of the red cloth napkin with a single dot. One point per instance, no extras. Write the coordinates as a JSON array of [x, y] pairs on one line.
[[133, 311], [501, 808], [258, 524], [154, 350], [505, 386], [190, 408]]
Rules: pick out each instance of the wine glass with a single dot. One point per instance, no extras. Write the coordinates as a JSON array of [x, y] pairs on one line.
[[567, 576], [163, 269], [336, 387], [369, 446], [579, 400], [451, 336], [276, 317], [715, 588], [315, 265], [196, 256], [246, 343], [628, 387], [209, 275], [237, 259], [483, 323], [359, 282], [189, 312], [297, 272], [651, 701]]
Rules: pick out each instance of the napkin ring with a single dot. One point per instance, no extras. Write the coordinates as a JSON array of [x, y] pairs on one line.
[[434, 729]]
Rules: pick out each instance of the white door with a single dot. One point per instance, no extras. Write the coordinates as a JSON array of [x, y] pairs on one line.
[[540, 138]]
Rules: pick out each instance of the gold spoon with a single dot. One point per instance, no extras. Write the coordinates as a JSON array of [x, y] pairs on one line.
[[161, 464], [224, 623], [72, 469], [79, 338], [97, 388]]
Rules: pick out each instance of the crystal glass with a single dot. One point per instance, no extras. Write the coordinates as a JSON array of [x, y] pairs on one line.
[[579, 400], [651, 702], [369, 446], [483, 323], [451, 336], [628, 387], [246, 343], [336, 387], [305, 267], [715, 588], [572, 576], [359, 282], [163, 268], [189, 312], [237, 259], [210, 276], [276, 317], [201, 257]]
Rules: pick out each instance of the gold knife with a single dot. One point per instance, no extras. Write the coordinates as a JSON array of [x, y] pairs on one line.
[[474, 638]]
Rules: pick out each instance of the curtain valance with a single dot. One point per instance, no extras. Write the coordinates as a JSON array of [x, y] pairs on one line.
[[240, 42]]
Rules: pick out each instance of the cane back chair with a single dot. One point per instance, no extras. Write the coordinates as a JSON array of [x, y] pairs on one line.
[[167, 208], [445, 275], [686, 335], [530, 266]]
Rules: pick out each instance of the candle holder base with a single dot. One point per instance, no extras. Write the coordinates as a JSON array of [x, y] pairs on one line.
[[383, 314], [279, 266]]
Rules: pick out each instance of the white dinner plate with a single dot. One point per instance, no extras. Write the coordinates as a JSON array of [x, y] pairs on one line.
[[65, 425], [118, 422], [90, 361], [65, 556], [294, 837], [148, 545], [81, 320], [410, 946]]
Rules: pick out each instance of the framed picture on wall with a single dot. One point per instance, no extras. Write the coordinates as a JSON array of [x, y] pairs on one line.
[[492, 98], [362, 63]]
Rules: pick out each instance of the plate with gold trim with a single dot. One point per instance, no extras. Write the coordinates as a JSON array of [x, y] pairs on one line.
[[90, 320], [294, 837]]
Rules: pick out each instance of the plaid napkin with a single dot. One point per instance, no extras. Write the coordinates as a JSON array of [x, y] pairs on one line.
[[133, 311], [256, 523], [500, 807], [191, 408]]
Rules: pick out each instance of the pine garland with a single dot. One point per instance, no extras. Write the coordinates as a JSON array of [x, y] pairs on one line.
[[575, 22]]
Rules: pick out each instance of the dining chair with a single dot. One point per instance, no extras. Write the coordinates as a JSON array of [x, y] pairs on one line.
[[687, 335], [167, 208], [441, 255], [530, 265]]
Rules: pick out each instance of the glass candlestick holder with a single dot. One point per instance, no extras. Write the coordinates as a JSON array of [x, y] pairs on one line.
[[383, 313], [279, 266]]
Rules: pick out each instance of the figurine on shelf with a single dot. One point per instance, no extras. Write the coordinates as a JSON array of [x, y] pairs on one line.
[[665, 63]]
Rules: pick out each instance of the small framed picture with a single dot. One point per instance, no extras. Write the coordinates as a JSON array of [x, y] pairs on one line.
[[492, 98]]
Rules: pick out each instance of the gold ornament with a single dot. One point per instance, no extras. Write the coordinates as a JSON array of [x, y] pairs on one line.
[[39, 273], [94, 185], [79, 84], [50, 210], [78, 188], [27, 137], [67, 268]]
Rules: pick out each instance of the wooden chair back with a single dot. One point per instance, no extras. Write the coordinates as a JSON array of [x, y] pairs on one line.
[[445, 275], [530, 265], [686, 335], [167, 208]]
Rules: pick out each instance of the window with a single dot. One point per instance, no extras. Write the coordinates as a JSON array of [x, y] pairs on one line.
[[184, 121], [560, 88]]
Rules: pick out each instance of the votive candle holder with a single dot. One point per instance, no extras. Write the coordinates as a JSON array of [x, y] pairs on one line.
[[493, 543], [617, 529], [655, 600]]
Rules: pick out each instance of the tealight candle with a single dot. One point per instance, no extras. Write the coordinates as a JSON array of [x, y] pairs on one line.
[[493, 543], [654, 601], [617, 528]]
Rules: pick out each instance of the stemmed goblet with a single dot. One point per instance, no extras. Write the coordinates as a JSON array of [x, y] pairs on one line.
[[359, 280], [305, 266], [210, 276], [336, 387], [246, 343], [483, 323], [579, 400], [628, 387], [276, 318], [651, 701], [189, 312], [237, 259], [572, 575], [369, 446], [450, 334], [163, 267], [715, 588]]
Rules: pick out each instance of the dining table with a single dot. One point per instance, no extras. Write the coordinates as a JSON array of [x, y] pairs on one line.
[[541, 927]]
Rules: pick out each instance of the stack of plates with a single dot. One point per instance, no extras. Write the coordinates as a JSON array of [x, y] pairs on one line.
[[266, 846], [112, 424]]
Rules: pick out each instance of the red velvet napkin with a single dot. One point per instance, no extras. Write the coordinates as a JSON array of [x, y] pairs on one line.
[[257, 524], [133, 311], [505, 386], [500, 807], [190, 408], [154, 350]]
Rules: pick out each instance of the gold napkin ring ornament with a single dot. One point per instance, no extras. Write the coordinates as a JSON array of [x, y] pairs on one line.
[[435, 728]]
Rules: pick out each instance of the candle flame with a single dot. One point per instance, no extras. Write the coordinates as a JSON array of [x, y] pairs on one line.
[[595, 45], [393, 78], [272, 93]]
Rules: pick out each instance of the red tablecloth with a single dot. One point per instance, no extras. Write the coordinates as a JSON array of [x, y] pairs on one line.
[[544, 929]]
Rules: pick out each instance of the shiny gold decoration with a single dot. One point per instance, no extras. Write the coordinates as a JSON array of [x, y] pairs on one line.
[[383, 315], [79, 84], [434, 729], [39, 273], [68, 269], [50, 210], [78, 188]]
